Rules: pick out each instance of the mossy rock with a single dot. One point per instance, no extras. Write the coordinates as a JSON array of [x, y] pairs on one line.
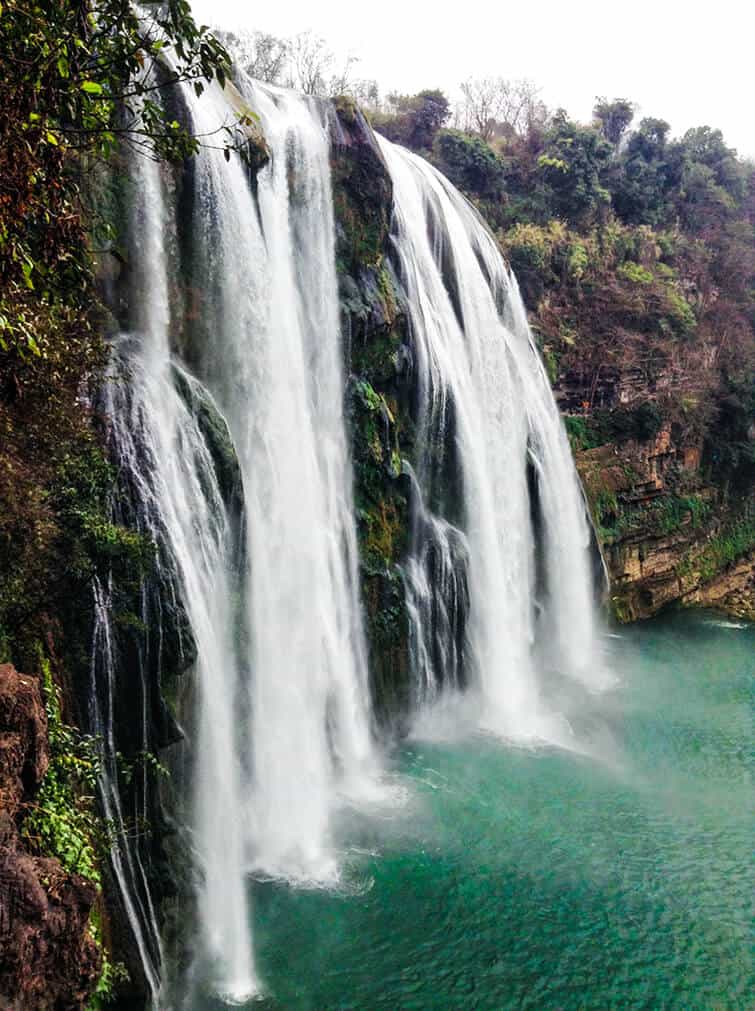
[[217, 435], [362, 190]]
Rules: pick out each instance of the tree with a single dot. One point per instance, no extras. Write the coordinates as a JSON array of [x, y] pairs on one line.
[[572, 165], [415, 119], [481, 104], [78, 78], [470, 163], [341, 82], [495, 105], [264, 57], [366, 92], [645, 180], [613, 118], [311, 60], [313, 69], [427, 113], [706, 147]]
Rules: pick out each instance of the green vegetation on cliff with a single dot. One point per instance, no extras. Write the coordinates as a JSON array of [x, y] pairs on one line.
[[78, 79], [62, 821]]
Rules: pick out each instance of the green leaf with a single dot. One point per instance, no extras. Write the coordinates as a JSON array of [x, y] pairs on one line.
[[26, 269], [91, 87]]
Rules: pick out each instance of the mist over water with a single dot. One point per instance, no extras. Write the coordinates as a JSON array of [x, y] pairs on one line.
[[617, 874]]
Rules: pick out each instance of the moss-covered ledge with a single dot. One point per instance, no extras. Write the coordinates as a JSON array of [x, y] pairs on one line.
[[378, 396]]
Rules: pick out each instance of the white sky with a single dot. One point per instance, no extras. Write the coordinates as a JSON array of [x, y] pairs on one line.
[[688, 62]]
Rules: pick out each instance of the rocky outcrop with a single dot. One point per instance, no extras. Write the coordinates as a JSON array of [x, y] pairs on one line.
[[732, 591], [668, 536], [48, 958], [379, 396], [23, 741]]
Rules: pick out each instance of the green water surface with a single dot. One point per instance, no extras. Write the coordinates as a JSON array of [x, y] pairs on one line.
[[540, 878]]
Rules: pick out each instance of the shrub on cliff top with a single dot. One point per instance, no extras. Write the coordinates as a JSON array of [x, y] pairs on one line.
[[470, 163], [414, 120]]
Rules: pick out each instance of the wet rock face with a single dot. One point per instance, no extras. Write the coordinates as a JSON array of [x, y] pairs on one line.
[[48, 959], [23, 739], [732, 591], [379, 397], [664, 529]]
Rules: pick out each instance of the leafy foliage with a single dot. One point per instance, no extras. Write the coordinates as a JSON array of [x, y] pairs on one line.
[[734, 541], [469, 163], [89, 70], [112, 976], [613, 118], [572, 165], [661, 517], [62, 821], [77, 78]]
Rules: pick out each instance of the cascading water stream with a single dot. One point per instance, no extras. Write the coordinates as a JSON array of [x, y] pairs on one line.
[[275, 366], [280, 727], [482, 386], [158, 440], [125, 859], [498, 577]]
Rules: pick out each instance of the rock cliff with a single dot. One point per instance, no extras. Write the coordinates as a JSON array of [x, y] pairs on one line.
[[379, 395], [48, 957], [669, 534]]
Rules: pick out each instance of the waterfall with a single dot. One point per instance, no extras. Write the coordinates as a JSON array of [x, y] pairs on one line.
[[274, 364], [128, 867], [509, 539], [280, 725], [158, 439], [225, 406]]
